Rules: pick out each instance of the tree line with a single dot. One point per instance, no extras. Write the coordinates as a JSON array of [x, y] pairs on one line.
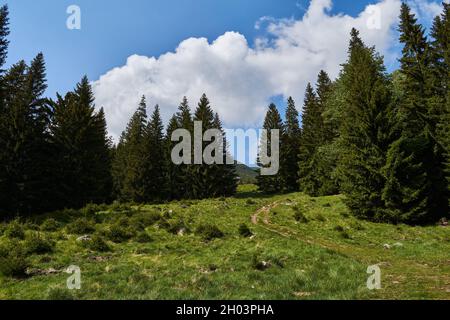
[[381, 139], [56, 153]]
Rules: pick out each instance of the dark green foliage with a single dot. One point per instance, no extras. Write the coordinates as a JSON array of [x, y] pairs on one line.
[[15, 230], [365, 139], [289, 148], [299, 216], [79, 133], [154, 169], [36, 243], [142, 220], [26, 159], [317, 155], [245, 231], [128, 164], [311, 139], [271, 183], [13, 260], [97, 243], [120, 231], [211, 180], [416, 189], [179, 174], [50, 225], [209, 232], [81, 226]]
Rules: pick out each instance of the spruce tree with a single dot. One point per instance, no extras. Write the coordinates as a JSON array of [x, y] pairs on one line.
[[366, 133], [312, 126], [290, 148], [271, 183], [155, 163], [416, 189], [80, 136], [184, 171], [175, 181], [225, 180], [129, 159], [202, 175], [25, 180], [440, 48]]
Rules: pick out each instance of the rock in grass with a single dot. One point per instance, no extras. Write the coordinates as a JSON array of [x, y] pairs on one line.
[[84, 238]]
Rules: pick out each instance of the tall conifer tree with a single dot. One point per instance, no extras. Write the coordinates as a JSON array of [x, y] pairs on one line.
[[273, 121], [366, 133], [290, 148], [80, 136], [416, 189]]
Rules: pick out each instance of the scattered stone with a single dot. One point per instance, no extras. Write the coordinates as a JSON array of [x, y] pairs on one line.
[[84, 238], [386, 246], [398, 244], [302, 294], [181, 232], [42, 272], [444, 222]]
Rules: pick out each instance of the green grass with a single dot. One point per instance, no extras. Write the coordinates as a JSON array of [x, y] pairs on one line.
[[324, 256]]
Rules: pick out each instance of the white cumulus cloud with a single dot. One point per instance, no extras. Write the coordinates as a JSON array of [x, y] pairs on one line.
[[240, 78]]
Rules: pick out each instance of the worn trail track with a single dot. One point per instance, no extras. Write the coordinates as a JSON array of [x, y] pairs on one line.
[[431, 277]]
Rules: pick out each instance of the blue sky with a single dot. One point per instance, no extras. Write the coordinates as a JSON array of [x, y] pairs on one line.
[[112, 30]]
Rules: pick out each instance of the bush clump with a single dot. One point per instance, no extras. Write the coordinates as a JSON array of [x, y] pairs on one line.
[[143, 237], [209, 232], [245, 231], [119, 233], [142, 220], [81, 226], [92, 209], [37, 244], [50, 225], [97, 243], [15, 230], [299, 216], [13, 260]]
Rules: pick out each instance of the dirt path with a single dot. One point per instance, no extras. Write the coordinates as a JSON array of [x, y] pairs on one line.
[[363, 254]]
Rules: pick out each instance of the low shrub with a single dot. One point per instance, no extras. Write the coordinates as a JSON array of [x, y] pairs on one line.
[[13, 260], [143, 237], [50, 225], [119, 233], [15, 230], [81, 226], [37, 244], [97, 243], [209, 232], [300, 217], [142, 220], [250, 202], [245, 231]]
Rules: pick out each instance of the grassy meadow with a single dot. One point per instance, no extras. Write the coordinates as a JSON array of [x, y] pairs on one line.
[[249, 246]]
